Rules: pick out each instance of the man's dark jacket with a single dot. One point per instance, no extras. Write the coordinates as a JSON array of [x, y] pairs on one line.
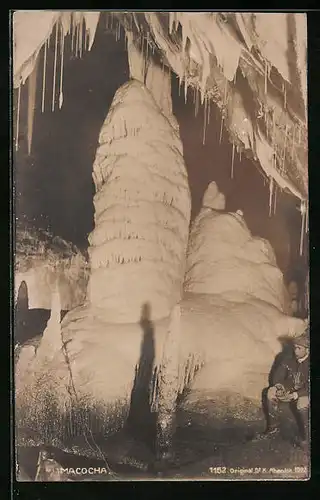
[[294, 376]]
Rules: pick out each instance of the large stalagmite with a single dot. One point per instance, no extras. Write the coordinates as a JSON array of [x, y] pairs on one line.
[[235, 290], [142, 210], [137, 256], [224, 257]]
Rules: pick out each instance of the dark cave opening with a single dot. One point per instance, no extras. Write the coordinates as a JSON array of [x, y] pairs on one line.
[[54, 186]]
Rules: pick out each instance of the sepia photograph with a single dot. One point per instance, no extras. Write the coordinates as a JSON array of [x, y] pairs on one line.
[[161, 246]]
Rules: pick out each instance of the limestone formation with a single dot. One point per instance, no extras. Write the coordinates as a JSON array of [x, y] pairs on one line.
[[42, 260], [223, 257], [235, 293], [142, 210]]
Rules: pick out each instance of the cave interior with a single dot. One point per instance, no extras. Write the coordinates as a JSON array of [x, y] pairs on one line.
[[53, 180]]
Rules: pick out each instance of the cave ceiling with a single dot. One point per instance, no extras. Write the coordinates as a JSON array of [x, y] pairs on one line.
[[251, 65]]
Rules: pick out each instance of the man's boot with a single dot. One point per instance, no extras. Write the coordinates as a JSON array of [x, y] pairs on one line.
[[302, 420], [272, 430], [270, 410]]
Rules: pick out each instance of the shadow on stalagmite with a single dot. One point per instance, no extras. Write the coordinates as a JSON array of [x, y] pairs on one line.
[[141, 421], [286, 352]]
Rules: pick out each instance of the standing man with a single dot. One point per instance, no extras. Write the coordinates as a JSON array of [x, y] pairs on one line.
[[290, 385]]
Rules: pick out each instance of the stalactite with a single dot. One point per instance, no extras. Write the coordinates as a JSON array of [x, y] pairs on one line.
[[232, 161], [202, 94], [221, 129], [265, 77], [77, 40], [273, 127], [204, 121], [32, 90], [285, 146], [73, 35], [145, 56], [303, 220], [266, 123], [197, 103], [163, 75], [240, 155], [147, 48], [209, 109], [61, 68], [271, 184], [81, 36], [18, 116], [193, 368], [225, 92], [186, 373], [55, 69], [275, 199], [285, 96], [184, 39], [185, 88], [44, 77], [206, 69], [274, 162], [307, 218], [293, 142]]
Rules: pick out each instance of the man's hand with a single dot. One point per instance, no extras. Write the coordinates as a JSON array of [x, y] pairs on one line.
[[280, 390], [286, 396]]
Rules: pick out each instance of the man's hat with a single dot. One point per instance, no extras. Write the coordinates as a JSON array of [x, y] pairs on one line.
[[302, 340]]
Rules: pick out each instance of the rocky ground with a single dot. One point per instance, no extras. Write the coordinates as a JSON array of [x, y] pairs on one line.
[[206, 448]]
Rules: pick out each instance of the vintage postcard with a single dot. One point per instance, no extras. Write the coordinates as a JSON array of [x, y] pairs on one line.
[[161, 274]]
